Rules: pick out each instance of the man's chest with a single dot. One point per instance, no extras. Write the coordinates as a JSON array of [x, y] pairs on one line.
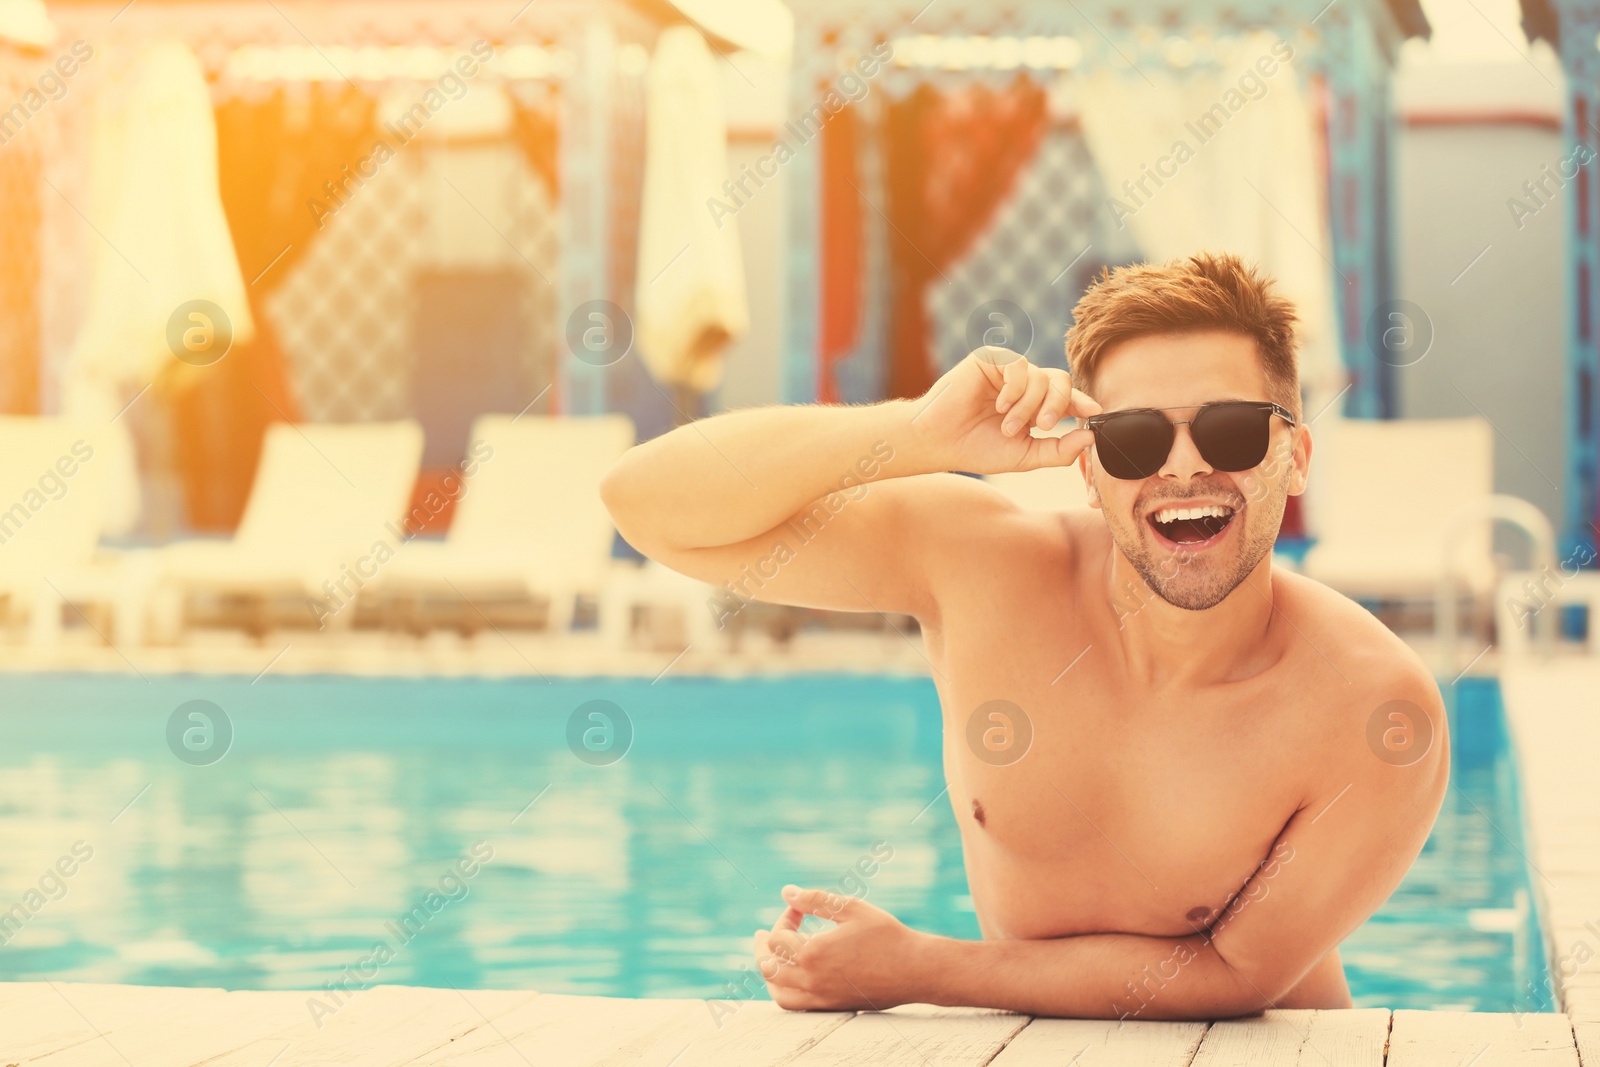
[[1089, 808]]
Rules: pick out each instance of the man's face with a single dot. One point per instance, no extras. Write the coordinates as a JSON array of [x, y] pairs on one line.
[[1193, 564]]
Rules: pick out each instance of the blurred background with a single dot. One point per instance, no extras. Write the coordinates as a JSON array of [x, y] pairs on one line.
[[220, 217], [389, 223], [319, 323]]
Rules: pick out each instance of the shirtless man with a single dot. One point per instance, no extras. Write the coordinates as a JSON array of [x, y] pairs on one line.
[[1181, 777]]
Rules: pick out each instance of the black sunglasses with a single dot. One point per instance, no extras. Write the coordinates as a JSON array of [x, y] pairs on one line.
[[1231, 435]]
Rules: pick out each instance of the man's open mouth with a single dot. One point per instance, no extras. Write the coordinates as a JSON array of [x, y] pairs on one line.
[[1191, 526]]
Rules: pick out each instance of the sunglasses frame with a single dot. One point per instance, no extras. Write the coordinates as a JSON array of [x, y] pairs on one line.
[[1094, 422]]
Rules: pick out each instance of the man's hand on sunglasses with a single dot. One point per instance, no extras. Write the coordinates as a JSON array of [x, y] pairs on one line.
[[981, 414]]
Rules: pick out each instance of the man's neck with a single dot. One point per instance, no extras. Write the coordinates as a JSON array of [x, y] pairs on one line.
[[1166, 645]]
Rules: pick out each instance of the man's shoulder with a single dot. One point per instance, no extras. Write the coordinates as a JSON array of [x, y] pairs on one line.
[[1382, 701], [1348, 638]]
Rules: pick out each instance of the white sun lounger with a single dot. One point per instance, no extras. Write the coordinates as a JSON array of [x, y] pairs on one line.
[[1405, 508], [1045, 489], [1384, 494], [324, 498], [52, 513], [529, 522]]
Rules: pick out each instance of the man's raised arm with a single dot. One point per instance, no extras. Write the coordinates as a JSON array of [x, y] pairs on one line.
[[822, 505]]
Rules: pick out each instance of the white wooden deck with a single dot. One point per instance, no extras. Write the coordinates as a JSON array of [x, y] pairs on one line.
[[67, 1025], [1553, 711]]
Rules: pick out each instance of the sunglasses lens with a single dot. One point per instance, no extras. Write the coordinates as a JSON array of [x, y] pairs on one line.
[[1232, 437], [1133, 445]]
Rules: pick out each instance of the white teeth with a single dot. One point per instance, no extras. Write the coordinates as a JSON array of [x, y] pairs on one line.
[[1210, 511]]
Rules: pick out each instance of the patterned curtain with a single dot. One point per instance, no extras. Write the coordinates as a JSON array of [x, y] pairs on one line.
[[952, 159], [274, 155]]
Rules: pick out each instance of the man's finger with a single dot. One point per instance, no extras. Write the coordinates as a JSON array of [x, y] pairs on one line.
[[1061, 451], [789, 920], [766, 962], [1016, 378], [1058, 398], [776, 963], [1023, 412], [785, 944], [818, 902], [1084, 405], [991, 363]]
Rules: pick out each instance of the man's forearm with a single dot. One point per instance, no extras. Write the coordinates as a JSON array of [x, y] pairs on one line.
[[1091, 976], [723, 479]]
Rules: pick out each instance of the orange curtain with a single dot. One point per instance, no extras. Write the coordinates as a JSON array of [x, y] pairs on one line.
[[274, 154], [843, 246], [951, 161], [537, 132], [20, 218]]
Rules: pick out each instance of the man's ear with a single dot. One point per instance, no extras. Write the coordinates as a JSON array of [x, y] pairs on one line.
[[1088, 478], [1302, 461]]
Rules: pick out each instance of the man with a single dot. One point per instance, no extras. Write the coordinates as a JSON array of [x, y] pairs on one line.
[[1181, 777]]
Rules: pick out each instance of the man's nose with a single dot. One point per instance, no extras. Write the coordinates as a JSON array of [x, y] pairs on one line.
[[1184, 461]]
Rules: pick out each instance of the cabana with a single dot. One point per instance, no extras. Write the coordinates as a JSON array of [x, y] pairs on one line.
[[418, 195], [979, 162], [355, 212], [1573, 30]]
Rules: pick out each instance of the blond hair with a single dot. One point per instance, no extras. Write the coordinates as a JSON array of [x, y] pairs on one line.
[[1203, 292]]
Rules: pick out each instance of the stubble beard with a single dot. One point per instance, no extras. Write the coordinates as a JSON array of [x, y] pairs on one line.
[[1188, 580]]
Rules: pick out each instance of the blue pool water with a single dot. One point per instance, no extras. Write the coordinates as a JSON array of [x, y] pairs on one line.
[[341, 804]]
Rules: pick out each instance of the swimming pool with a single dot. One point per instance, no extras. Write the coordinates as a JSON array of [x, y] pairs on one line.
[[451, 822]]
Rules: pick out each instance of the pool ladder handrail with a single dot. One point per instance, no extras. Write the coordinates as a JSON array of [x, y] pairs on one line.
[[1499, 507]]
